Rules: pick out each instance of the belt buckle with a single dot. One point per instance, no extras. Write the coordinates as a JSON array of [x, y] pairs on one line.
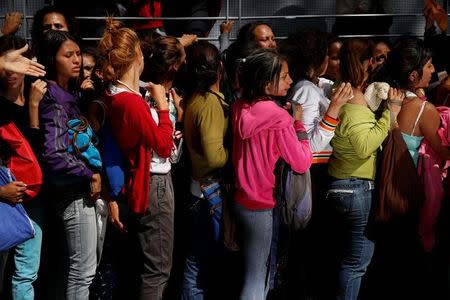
[[371, 185]]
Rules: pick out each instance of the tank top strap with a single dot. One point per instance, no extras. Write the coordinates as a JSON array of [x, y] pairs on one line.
[[422, 107]]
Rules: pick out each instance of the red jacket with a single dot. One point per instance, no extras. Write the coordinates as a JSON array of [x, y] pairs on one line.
[[137, 134], [22, 163], [151, 9]]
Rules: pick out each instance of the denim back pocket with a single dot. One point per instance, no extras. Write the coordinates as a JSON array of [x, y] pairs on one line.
[[342, 200]]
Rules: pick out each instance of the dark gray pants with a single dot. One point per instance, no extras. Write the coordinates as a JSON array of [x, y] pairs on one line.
[[156, 237]]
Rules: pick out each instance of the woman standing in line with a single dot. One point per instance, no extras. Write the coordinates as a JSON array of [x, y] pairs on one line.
[[16, 106], [163, 57], [136, 134], [352, 165], [206, 127], [263, 132], [73, 184]]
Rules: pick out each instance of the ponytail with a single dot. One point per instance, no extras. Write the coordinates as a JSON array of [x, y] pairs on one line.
[[353, 53], [118, 49]]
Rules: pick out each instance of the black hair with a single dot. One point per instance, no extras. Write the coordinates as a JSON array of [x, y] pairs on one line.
[[407, 55], [92, 51], [244, 45], [331, 38], [98, 82], [12, 42], [203, 67], [159, 56], [246, 35], [51, 42], [261, 67], [379, 40], [306, 50], [37, 29]]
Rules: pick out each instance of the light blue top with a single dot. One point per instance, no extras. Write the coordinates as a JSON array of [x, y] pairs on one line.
[[413, 142]]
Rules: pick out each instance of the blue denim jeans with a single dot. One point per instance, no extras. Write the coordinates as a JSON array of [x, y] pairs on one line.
[[77, 212], [257, 226], [352, 199], [200, 260], [27, 255]]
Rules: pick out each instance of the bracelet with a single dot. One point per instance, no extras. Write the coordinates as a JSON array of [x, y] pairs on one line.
[[395, 102], [393, 119]]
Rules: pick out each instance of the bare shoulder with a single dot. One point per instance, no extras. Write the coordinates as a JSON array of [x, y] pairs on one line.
[[430, 116], [429, 110], [412, 103]]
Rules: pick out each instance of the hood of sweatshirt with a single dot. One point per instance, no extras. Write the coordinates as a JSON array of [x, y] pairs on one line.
[[251, 119]]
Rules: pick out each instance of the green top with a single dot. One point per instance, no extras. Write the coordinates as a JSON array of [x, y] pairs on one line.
[[355, 142], [205, 124]]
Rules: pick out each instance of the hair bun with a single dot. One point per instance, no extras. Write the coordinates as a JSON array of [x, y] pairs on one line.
[[112, 25]]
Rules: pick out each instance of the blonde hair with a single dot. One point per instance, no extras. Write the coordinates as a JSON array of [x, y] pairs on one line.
[[118, 49]]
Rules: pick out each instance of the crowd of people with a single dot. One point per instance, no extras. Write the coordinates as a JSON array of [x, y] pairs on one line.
[[157, 165]]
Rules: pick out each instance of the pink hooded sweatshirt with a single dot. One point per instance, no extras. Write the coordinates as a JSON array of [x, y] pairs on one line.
[[262, 133]]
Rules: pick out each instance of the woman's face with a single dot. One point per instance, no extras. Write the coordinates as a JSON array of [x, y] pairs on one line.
[[88, 65], [68, 60], [11, 80], [332, 71], [264, 37], [283, 85], [54, 21], [380, 54], [427, 71]]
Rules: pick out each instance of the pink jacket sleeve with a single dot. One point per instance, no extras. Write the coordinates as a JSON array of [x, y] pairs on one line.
[[293, 144]]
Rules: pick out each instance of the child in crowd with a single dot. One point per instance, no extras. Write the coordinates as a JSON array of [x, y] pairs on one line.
[[262, 133]]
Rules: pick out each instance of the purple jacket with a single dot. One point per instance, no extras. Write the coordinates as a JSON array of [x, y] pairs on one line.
[[55, 109]]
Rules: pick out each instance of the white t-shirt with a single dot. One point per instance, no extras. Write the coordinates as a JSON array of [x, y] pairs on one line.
[[320, 128]]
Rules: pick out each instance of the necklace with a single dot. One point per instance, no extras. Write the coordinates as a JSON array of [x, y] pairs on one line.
[[128, 87]]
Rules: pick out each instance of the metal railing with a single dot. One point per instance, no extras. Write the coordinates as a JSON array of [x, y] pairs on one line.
[[240, 18]]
